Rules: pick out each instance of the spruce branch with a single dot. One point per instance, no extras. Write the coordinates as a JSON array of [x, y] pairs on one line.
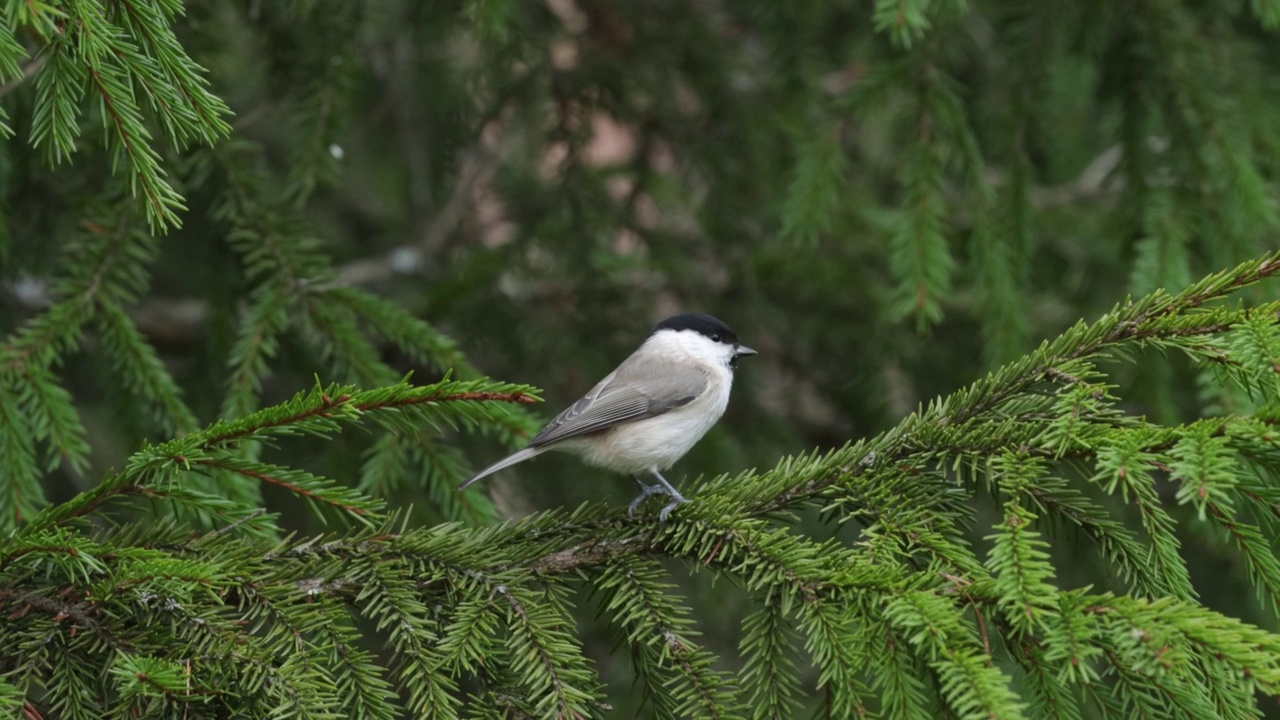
[[320, 411], [819, 181], [1156, 316], [305, 485], [119, 54], [841, 652], [561, 697], [142, 370], [863, 569], [899, 675], [191, 111], [770, 670], [162, 202], [258, 343], [918, 254], [23, 495], [105, 264], [906, 618], [660, 635], [1159, 316], [395, 606]]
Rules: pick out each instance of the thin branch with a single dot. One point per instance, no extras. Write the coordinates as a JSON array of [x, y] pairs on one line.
[[258, 512], [283, 484]]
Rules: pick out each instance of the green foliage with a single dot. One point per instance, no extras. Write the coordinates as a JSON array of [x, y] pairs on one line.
[[887, 199], [679, 676], [906, 620], [815, 193], [126, 57], [1018, 557]]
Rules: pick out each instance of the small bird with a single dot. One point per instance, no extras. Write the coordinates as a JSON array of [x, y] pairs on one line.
[[646, 414]]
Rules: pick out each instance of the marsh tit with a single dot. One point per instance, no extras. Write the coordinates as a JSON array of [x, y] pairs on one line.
[[646, 414]]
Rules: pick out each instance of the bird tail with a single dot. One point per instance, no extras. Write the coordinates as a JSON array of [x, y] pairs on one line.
[[503, 464]]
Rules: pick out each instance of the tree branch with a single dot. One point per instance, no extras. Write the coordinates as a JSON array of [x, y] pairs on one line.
[[889, 448]]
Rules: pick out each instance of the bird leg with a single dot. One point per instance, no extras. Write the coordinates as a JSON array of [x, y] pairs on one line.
[[674, 494], [663, 488]]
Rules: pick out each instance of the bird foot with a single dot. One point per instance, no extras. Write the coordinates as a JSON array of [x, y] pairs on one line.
[[676, 500], [645, 492], [648, 490]]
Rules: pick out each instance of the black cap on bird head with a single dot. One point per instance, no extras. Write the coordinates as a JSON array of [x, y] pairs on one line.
[[701, 323]]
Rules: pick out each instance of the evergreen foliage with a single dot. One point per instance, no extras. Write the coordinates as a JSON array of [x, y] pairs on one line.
[[120, 617], [894, 197]]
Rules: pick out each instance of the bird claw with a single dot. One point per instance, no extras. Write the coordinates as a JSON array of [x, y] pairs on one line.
[[648, 490], [675, 502], [645, 492]]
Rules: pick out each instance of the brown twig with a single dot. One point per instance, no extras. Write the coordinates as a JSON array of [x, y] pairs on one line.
[[326, 405], [281, 483]]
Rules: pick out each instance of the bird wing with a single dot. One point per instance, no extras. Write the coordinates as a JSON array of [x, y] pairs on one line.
[[632, 392]]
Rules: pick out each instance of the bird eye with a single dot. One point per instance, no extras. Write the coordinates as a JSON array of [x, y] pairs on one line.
[[715, 337]]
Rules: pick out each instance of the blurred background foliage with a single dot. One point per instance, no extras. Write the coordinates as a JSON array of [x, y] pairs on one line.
[[887, 199]]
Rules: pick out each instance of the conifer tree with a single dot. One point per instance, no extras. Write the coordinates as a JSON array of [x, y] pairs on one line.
[[1004, 456]]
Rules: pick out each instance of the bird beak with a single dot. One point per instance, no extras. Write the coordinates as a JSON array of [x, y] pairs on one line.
[[743, 351]]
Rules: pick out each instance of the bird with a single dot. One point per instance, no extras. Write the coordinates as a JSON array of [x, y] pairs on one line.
[[651, 410]]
